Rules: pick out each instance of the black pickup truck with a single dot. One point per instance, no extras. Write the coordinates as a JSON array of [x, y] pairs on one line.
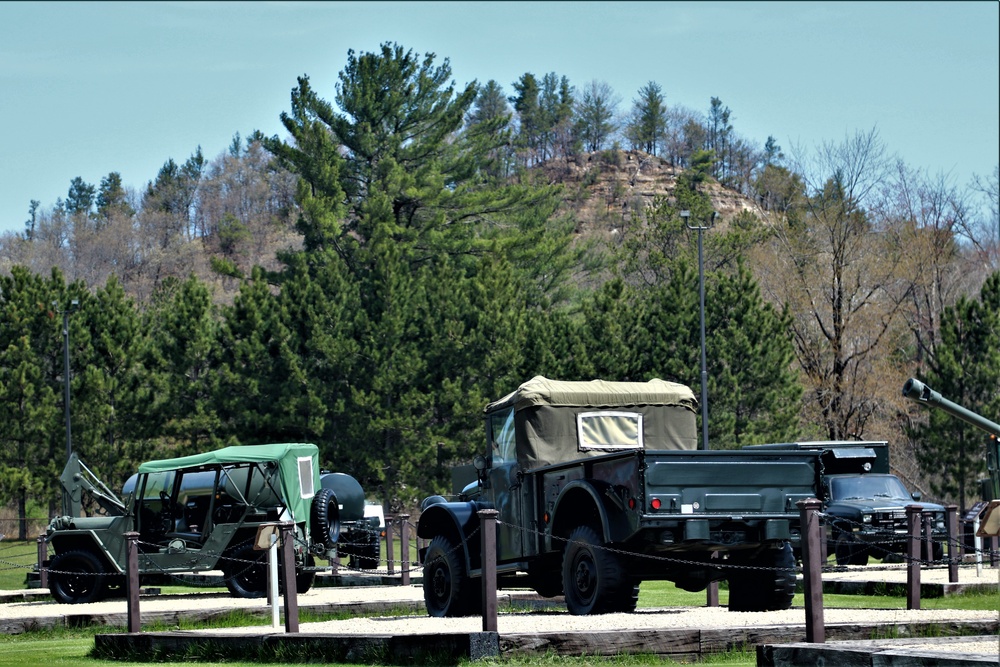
[[865, 504], [599, 486]]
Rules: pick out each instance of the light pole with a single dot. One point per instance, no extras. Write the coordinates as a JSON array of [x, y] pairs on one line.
[[686, 215], [73, 305]]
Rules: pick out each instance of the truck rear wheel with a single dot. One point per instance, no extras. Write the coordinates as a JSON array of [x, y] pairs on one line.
[[448, 589], [594, 580], [77, 577], [770, 586]]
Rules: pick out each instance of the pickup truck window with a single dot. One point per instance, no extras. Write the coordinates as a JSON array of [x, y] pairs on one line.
[[609, 429], [502, 431], [867, 486]]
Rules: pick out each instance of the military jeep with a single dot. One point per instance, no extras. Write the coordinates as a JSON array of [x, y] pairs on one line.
[[202, 512]]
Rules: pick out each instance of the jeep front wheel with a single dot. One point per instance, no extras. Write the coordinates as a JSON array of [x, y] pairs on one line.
[[76, 577]]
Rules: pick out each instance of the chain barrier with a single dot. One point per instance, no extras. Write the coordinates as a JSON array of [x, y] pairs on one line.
[[227, 555]]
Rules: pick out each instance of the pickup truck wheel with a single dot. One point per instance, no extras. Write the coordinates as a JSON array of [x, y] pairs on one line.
[[448, 590], [367, 557], [245, 571], [769, 588], [848, 550], [76, 577], [594, 581]]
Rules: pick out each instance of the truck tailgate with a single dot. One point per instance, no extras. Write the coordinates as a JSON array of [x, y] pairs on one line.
[[729, 482]]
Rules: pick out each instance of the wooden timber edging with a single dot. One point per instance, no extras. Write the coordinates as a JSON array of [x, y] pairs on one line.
[[372, 649], [691, 643], [682, 644], [879, 653]]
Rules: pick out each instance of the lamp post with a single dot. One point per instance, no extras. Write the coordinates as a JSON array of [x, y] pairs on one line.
[[73, 305], [686, 215]]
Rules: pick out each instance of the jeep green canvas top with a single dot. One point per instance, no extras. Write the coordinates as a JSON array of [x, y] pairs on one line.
[[299, 476]]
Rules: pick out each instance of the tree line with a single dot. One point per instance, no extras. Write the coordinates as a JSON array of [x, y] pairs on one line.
[[370, 282]]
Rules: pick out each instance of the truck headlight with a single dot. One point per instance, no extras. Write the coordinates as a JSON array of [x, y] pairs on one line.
[[866, 518]]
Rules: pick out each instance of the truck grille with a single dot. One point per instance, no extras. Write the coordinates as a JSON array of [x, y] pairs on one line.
[[890, 520]]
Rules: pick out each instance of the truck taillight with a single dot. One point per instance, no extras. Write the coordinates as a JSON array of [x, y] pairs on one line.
[[631, 503], [655, 503]]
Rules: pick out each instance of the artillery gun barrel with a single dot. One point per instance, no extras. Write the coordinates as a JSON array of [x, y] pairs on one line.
[[916, 390]]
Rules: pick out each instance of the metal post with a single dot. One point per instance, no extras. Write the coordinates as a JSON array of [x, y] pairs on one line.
[[389, 565], [913, 557], [272, 579], [488, 530], [288, 576], [43, 555], [132, 580], [928, 540], [951, 524], [404, 549], [704, 359], [812, 576]]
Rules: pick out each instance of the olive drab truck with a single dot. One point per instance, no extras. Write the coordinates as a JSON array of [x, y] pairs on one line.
[[599, 486], [201, 513], [989, 518]]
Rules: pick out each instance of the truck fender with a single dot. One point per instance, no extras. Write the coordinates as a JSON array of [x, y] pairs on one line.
[[585, 502], [456, 521]]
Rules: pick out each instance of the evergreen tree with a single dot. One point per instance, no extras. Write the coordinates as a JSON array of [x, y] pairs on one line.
[[648, 125], [181, 361], [595, 115], [29, 403]]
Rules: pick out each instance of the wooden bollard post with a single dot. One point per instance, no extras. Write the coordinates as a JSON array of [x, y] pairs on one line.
[[288, 576], [951, 525], [913, 558], [404, 549], [488, 531], [389, 565], [133, 622], [43, 555], [812, 577]]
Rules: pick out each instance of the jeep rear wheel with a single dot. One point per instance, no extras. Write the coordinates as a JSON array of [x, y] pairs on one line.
[[448, 589], [245, 571], [76, 577]]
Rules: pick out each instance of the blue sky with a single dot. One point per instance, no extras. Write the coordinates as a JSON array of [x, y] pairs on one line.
[[91, 88]]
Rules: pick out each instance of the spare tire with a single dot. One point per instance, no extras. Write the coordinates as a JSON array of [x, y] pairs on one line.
[[325, 515]]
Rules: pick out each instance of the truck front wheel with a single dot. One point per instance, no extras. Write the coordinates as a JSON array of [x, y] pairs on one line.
[[594, 580], [76, 577], [847, 548], [448, 589]]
